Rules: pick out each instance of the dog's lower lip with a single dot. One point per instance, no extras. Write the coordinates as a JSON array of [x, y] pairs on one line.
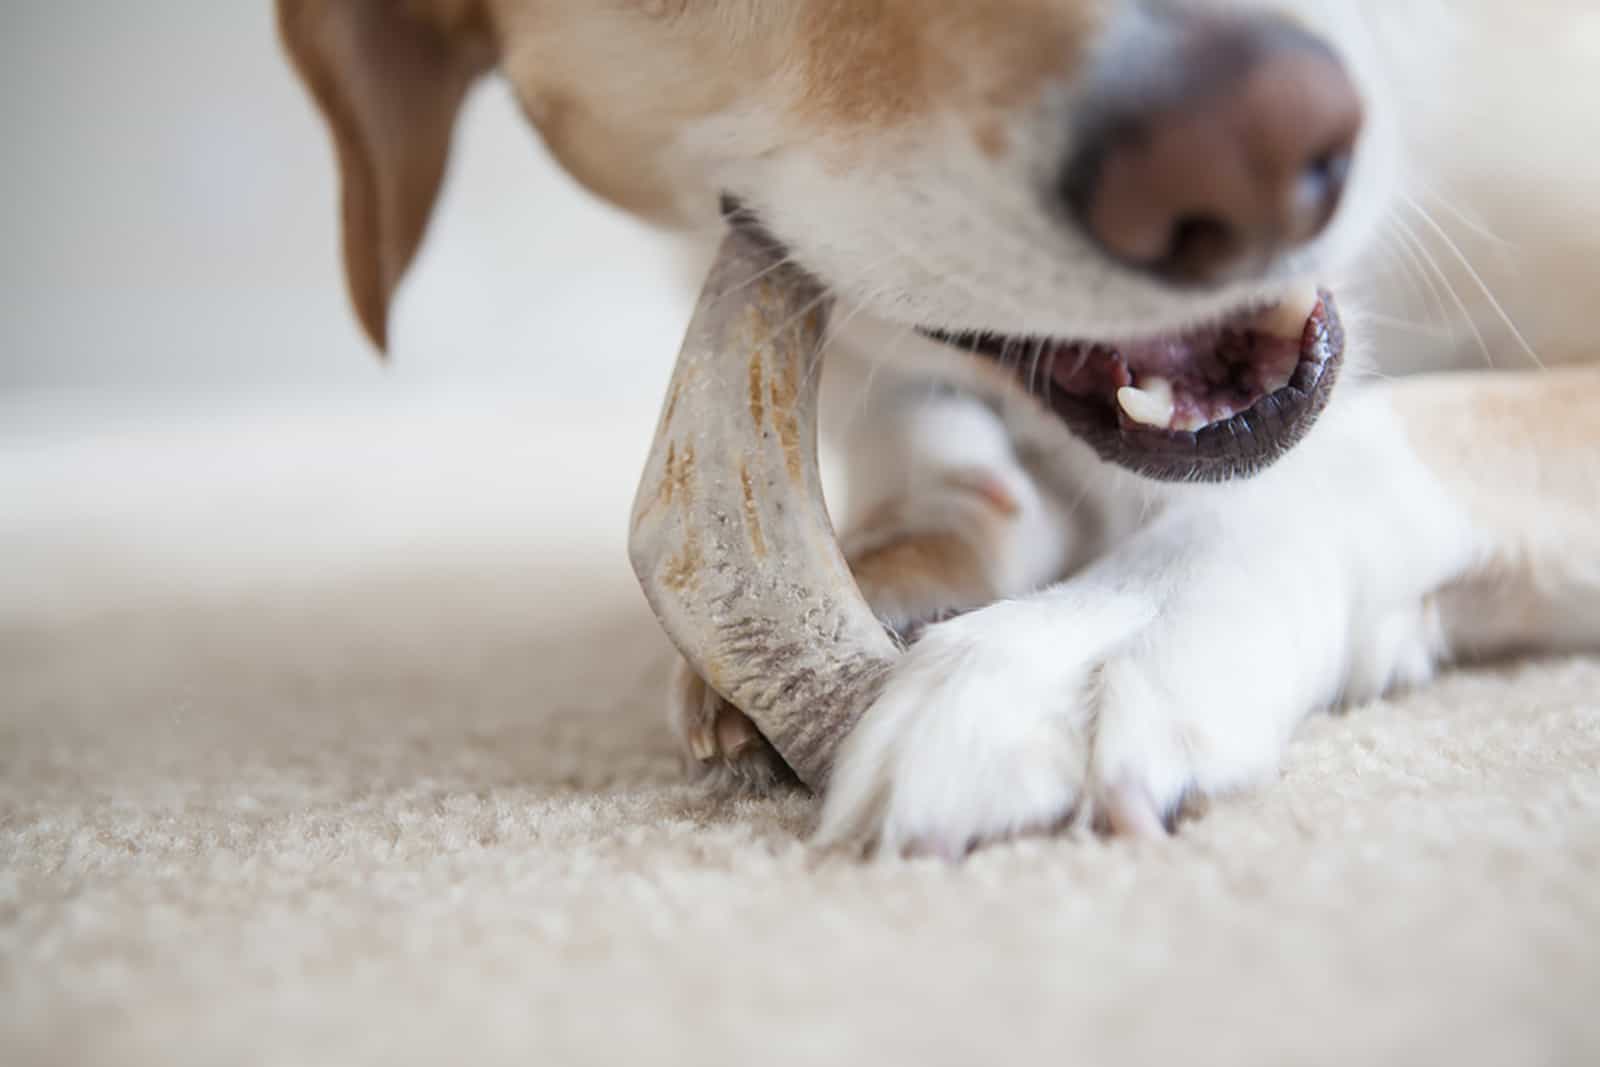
[[1254, 429]]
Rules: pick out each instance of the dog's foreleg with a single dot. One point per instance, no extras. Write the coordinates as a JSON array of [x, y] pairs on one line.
[[1520, 454], [1421, 522]]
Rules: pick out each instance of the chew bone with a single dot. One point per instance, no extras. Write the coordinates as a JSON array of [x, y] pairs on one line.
[[731, 538]]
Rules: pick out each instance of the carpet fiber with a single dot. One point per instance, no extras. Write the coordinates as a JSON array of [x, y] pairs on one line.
[[337, 739]]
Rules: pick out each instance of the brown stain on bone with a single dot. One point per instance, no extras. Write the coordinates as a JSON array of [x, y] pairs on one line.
[[758, 410], [788, 427], [680, 473], [672, 406], [784, 398], [778, 396], [752, 513], [682, 571], [677, 482]]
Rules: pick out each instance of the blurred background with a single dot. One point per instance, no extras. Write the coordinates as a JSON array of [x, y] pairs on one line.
[[331, 717], [184, 391], [170, 205]]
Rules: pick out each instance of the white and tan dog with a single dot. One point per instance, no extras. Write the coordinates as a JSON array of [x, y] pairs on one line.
[[1100, 264]]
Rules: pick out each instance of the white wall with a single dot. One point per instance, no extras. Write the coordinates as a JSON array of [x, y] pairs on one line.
[[168, 221]]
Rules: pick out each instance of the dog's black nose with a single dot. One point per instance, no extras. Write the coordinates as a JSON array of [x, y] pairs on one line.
[[1232, 144]]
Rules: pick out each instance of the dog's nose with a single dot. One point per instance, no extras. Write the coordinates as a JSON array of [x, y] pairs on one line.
[[1234, 146]]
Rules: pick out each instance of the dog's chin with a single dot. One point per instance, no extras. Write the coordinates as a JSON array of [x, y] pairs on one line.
[[1211, 404]]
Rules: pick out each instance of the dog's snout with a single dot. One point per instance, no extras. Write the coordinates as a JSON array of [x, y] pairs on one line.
[[1234, 146]]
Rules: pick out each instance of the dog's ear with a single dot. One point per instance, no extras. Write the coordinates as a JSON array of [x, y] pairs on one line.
[[390, 77]]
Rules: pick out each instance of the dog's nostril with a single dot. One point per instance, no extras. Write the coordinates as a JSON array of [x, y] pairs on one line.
[[1198, 242], [1318, 193], [1240, 146], [1332, 167]]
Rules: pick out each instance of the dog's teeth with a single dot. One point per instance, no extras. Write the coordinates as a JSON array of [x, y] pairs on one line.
[[1150, 404], [1287, 318]]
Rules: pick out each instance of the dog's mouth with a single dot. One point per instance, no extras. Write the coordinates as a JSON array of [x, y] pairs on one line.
[[1211, 404]]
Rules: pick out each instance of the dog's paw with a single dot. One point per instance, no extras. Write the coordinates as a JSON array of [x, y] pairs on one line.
[[982, 732], [720, 744], [1195, 707], [1107, 701]]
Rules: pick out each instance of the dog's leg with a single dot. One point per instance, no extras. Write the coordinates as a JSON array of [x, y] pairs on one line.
[[1521, 454], [1182, 660], [948, 521]]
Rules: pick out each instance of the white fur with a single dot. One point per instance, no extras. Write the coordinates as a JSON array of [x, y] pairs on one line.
[[1179, 661]]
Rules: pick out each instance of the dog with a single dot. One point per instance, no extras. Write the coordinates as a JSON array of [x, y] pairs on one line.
[[1123, 289]]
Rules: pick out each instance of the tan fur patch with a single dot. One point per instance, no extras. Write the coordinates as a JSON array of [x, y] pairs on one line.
[[991, 138], [933, 569], [880, 62], [1522, 454], [1533, 438], [451, 15], [911, 577], [612, 85], [833, 67], [603, 159]]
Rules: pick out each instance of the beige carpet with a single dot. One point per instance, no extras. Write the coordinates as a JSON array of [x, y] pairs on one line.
[[335, 738]]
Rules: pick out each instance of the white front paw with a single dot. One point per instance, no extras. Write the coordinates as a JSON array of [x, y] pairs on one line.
[[1113, 696], [981, 733]]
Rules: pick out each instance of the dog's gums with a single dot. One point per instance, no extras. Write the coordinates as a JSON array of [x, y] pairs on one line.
[[1211, 404]]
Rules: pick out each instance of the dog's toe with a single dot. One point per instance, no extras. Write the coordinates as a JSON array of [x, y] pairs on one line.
[[722, 746]]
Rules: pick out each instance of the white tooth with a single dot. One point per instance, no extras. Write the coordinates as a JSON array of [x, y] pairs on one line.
[[1150, 404], [1288, 317]]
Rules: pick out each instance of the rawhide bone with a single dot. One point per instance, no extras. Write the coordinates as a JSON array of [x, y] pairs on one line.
[[731, 537]]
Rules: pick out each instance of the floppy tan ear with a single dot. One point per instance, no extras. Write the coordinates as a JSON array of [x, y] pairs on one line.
[[390, 76]]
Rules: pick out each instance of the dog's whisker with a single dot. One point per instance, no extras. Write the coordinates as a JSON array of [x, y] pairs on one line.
[[1477, 279], [1458, 213], [1461, 305], [881, 360], [1038, 346], [787, 260], [1396, 263], [1420, 329], [1404, 242], [820, 300]]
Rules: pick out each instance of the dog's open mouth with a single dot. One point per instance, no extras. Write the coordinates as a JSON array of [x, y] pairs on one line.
[[1217, 403]]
